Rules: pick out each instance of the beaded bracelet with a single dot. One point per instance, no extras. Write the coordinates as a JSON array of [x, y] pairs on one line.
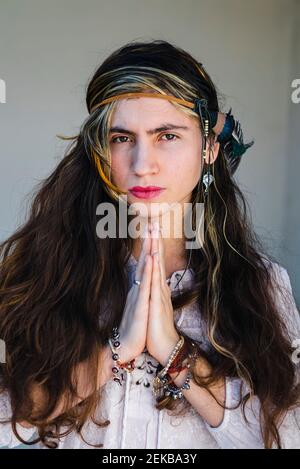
[[170, 388], [164, 384], [129, 366], [175, 353], [161, 378], [177, 363], [175, 392]]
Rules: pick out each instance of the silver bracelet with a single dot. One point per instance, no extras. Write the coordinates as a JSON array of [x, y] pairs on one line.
[[175, 392]]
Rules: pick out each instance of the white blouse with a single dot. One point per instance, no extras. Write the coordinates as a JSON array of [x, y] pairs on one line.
[[136, 423]]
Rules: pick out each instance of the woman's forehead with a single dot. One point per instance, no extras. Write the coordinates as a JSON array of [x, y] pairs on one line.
[[155, 112]]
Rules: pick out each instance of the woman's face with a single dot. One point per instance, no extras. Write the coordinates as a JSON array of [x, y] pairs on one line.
[[148, 152]]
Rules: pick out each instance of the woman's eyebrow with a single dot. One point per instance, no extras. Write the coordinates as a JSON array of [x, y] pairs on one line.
[[162, 128]]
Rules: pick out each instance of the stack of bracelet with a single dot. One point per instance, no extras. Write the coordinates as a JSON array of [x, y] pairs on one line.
[[178, 361], [115, 344]]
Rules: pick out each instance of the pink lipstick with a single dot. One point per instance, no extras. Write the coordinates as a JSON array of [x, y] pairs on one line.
[[148, 192]]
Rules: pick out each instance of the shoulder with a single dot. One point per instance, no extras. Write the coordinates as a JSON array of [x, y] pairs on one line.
[[284, 297], [279, 275]]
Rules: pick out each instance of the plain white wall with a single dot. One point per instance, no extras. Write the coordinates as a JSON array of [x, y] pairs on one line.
[[49, 50]]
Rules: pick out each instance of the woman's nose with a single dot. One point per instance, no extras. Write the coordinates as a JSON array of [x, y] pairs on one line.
[[143, 159]]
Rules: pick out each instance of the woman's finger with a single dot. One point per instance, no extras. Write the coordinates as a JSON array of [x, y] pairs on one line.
[[145, 250], [163, 274], [155, 293], [144, 288], [154, 238]]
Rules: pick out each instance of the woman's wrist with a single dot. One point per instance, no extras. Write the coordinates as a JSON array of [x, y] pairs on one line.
[[179, 378], [165, 352]]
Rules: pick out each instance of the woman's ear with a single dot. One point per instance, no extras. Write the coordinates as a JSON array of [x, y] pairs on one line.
[[212, 149]]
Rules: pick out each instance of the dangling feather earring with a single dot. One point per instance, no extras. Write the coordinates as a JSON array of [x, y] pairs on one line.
[[207, 180]]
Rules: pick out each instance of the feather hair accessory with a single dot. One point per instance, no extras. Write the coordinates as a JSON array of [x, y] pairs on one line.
[[230, 135]]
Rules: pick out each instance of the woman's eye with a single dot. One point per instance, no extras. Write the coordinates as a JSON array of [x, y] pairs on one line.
[[172, 135], [114, 140]]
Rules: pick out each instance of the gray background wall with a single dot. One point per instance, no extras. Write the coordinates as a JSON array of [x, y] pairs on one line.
[[291, 218], [49, 49]]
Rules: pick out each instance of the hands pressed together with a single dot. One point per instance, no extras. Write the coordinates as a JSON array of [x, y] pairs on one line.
[[148, 319]]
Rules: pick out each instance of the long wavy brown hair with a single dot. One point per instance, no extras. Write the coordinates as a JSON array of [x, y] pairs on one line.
[[62, 288]]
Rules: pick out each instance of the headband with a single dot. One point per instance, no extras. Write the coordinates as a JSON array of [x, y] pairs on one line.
[[217, 118]]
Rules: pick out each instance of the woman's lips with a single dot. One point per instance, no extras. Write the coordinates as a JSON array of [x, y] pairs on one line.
[[147, 194]]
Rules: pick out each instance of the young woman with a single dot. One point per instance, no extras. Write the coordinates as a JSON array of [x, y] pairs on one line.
[[146, 341]]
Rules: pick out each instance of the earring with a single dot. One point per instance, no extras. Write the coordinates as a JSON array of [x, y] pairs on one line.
[[207, 180]]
